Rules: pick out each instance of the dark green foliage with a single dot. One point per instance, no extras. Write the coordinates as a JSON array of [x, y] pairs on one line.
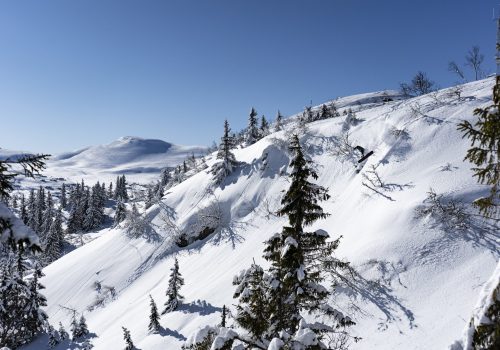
[[129, 344], [252, 135], [223, 316], [154, 317], [253, 311], [226, 167], [485, 151], [175, 283]]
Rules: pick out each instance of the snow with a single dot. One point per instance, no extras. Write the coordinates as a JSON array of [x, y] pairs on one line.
[[415, 284], [18, 230], [479, 315], [139, 159]]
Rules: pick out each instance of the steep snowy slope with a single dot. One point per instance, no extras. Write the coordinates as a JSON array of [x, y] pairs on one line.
[[141, 159], [417, 279]]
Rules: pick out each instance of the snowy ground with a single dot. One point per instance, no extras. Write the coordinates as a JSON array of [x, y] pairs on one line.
[[418, 279]]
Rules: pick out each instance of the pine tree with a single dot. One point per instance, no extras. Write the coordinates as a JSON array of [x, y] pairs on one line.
[[154, 317], [165, 177], [485, 152], [253, 310], [149, 198], [252, 135], [175, 283], [299, 258], [226, 167], [120, 213], [54, 239], [110, 191], [264, 127], [53, 338], [79, 329], [48, 216], [128, 339], [63, 335], [223, 316], [278, 126], [19, 297], [23, 210], [94, 215], [64, 200], [32, 212]]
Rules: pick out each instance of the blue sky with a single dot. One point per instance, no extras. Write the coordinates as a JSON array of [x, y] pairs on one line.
[[77, 73]]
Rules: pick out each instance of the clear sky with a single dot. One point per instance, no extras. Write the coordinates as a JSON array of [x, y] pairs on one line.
[[81, 72]]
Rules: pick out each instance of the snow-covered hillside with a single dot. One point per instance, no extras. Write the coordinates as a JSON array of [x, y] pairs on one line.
[[418, 276], [139, 159]]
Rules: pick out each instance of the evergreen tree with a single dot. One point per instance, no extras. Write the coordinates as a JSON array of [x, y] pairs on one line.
[[64, 200], [325, 112], [94, 215], [165, 177], [252, 135], [149, 198], [252, 311], [32, 211], [19, 298], [485, 152], [223, 316], [226, 167], [23, 210], [175, 283], [278, 126], [79, 329], [264, 127], [154, 317], [54, 240], [128, 339], [110, 191], [48, 216], [63, 335], [53, 338], [120, 213], [184, 167], [299, 258]]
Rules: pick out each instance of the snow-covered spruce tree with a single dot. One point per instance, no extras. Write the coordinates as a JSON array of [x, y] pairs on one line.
[[79, 329], [264, 127], [485, 152], [149, 198], [63, 335], [36, 318], [18, 297], [278, 124], [223, 316], [299, 259], [120, 213], [121, 189], [48, 217], [222, 169], [23, 212], [94, 215], [252, 134], [175, 282], [129, 344], [53, 340], [63, 199], [165, 177], [253, 310], [53, 242], [78, 203], [154, 317]]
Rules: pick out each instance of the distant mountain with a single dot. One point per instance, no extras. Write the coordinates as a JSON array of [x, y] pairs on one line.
[[133, 156]]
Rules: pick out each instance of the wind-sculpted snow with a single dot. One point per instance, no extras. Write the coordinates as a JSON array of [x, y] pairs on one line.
[[414, 282]]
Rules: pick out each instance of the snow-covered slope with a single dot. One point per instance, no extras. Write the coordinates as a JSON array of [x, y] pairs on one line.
[[417, 281], [140, 159]]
